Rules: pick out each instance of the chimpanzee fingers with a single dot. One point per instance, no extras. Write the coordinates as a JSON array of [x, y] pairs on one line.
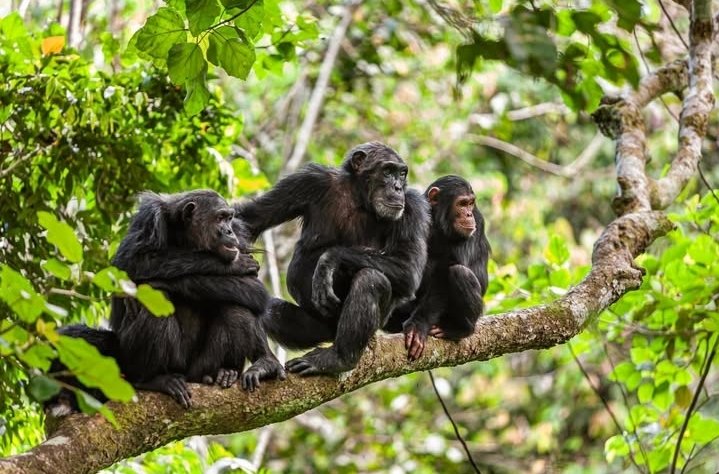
[[207, 380], [280, 373], [299, 366], [436, 330], [417, 348]]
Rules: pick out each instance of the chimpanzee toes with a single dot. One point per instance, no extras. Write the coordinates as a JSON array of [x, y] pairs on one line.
[[177, 389], [227, 377]]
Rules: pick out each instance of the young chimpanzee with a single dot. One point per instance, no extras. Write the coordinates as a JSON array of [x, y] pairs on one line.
[[449, 300], [187, 245], [361, 252]]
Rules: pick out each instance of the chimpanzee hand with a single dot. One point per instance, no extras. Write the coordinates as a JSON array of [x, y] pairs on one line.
[[245, 264], [415, 337], [323, 295]]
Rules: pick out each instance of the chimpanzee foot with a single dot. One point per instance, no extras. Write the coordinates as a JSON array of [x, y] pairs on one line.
[[173, 385], [262, 369], [226, 377], [319, 361]]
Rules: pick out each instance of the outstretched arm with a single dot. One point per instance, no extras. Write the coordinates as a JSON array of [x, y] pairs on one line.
[[247, 291], [287, 200]]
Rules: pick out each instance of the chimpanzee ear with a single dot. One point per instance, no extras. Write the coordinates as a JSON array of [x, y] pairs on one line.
[[433, 195], [357, 159], [187, 211]]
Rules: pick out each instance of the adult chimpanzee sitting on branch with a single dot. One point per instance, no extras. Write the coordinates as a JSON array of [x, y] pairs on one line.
[[449, 300], [190, 246], [361, 252], [186, 245]]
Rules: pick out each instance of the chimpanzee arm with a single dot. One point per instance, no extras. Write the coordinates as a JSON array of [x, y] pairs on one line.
[[287, 200], [247, 291], [402, 261], [176, 262]]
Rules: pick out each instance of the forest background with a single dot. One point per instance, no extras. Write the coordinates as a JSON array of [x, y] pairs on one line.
[[101, 99]]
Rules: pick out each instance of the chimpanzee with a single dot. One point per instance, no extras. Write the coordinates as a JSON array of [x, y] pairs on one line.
[[449, 299], [361, 252], [186, 245]]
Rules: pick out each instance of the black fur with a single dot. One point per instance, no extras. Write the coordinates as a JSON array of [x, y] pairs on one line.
[[454, 280], [189, 246], [361, 252]]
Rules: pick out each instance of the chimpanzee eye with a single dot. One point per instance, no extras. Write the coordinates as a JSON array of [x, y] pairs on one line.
[[387, 173]]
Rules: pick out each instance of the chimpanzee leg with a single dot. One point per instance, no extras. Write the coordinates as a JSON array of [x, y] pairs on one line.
[[149, 345], [465, 304], [151, 349], [363, 312], [295, 328]]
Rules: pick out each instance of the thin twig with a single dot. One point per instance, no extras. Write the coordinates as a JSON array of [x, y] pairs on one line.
[[695, 399], [626, 403], [523, 155], [320, 89], [671, 22], [605, 403], [25, 158], [454, 425], [706, 182]]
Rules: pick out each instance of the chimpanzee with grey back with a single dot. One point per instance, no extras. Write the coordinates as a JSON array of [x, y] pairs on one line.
[[449, 300], [361, 253]]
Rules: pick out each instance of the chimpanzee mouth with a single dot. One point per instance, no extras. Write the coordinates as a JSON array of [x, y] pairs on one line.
[[229, 248]]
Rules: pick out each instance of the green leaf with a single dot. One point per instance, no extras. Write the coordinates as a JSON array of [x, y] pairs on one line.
[[57, 268], [557, 251], [645, 393], [91, 405], [61, 235], [703, 430], [495, 5], [160, 32], [39, 355], [43, 388], [201, 14], [231, 51], [18, 293], [251, 20], [185, 62], [616, 447], [197, 96], [628, 11], [154, 301], [93, 369], [114, 280]]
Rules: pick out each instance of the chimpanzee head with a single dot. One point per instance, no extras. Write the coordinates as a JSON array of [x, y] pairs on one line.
[[207, 222], [199, 220], [382, 178], [453, 206]]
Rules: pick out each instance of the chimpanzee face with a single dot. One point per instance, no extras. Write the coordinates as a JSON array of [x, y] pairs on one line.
[[383, 175], [386, 189], [208, 221], [453, 207], [463, 220]]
